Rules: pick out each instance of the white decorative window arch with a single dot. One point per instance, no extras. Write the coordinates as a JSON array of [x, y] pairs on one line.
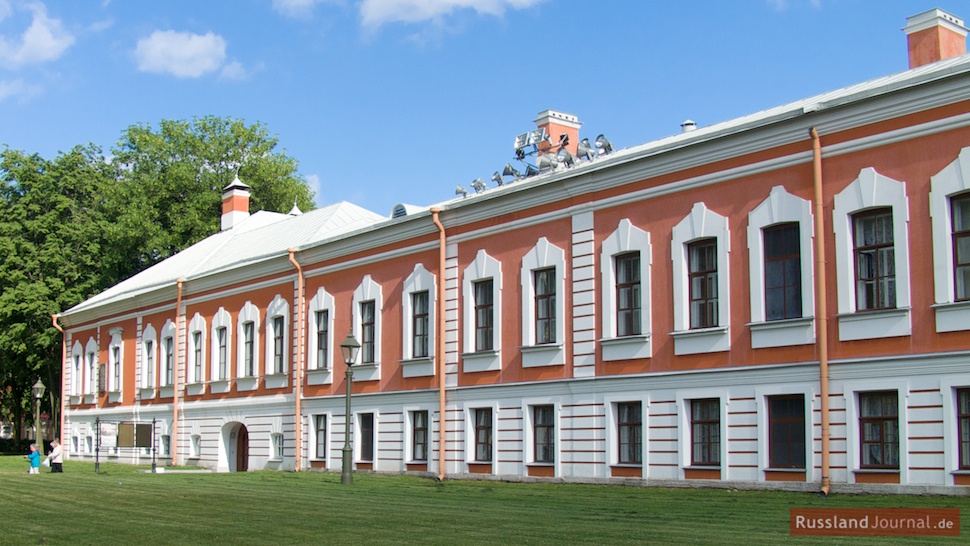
[[484, 268], [116, 360], [91, 366], [626, 239], [77, 369], [197, 343], [149, 357], [951, 315], [781, 207], [169, 354], [248, 314], [368, 291], [871, 190], [420, 283], [321, 308], [221, 346], [700, 224], [277, 311], [544, 255]]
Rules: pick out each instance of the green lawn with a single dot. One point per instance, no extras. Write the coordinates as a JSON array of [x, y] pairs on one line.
[[124, 505]]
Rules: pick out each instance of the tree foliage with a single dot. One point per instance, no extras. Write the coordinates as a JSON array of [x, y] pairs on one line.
[[77, 224]]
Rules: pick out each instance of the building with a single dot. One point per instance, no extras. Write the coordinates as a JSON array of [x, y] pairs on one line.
[[780, 300]]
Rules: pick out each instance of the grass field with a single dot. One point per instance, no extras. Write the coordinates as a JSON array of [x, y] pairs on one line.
[[125, 505]]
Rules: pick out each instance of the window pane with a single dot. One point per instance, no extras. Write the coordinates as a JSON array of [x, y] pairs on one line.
[[483, 315], [875, 266]]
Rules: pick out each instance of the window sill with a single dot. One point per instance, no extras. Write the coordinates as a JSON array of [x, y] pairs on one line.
[[370, 371], [541, 464], [320, 376], [782, 333], [952, 316], [276, 380], [701, 467], [876, 471], [219, 386], [701, 340], [792, 470], [482, 361], [547, 354], [626, 347], [964, 472], [417, 367], [875, 324], [246, 383], [195, 389]]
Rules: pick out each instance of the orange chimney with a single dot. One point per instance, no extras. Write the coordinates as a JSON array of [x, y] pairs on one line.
[[235, 203], [557, 124], [933, 36]]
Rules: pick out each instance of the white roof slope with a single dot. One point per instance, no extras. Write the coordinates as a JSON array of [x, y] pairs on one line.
[[261, 235]]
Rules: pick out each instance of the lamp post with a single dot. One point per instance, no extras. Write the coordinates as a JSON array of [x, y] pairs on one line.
[[38, 391], [348, 349]]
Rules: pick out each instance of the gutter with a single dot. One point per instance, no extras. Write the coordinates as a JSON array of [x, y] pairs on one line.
[[175, 374], [440, 341], [821, 312], [60, 428], [300, 357]]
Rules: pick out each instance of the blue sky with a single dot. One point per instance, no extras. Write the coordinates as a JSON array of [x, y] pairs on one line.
[[387, 101]]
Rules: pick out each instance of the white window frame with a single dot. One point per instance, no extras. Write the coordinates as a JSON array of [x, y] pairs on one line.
[[322, 301], [852, 412], [276, 446], [951, 434], [359, 436], [762, 394], [248, 313], [221, 319], [781, 207], [117, 343], [168, 331], [543, 255], [528, 431], [471, 442], [685, 437], [627, 238], [77, 369], [483, 268], [278, 308], [420, 280], [149, 366], [368, 290], [954, 179], [701, 223], [409, 434], [197, 324], [612, 436], [316, 433], [91, 380], [196, 446], [868, 191]]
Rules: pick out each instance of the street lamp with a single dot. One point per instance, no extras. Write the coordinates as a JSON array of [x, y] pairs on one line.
[[38, 391], [348, 349]]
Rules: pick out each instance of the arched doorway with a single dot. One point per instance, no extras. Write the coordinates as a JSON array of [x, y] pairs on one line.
[[237, 447]]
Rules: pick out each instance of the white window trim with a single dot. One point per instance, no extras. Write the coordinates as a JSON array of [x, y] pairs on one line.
[[196, 446], [612, 433], [221, 319], [278, 308], [149, 378], [764, 441], [368, 290], [322, 301], [168, 330], [409, 434], [871, 190], [528, 431], [314, 439], [484, 267], [117, 342], [470, 444], [77, 369], [248, 313], [197, 324], [684, 432], [420, 280], [626, 238], [701, 223], [951, 316], [543, 255], [358, 437], [91, 383], [276, 447], [951, 436], [853, 448], [781, 207]]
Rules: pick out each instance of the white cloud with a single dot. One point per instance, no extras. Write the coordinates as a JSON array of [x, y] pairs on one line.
[[44, 40], [298, 8], [233, 71], [313, 181], [17, 88], [375, 13], [181, 54]]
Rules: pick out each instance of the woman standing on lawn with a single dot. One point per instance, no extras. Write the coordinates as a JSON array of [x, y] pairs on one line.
[[56, 457]]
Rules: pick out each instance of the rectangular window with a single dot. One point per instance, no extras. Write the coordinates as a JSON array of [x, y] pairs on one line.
[[321, 435], [705, 428], [76, 382], [249, 349], [367, 329], [875, 260], [702, 257], [629, 428], [222, 337], [483, 434], [278, 344], [277, 446], [783, 272], [419, 435], [879, 429], [483, 315], [116, 368], [963, 427], [544, 434], [366, 436], [169, 361], [419, 324], [91, 377], [960, 214], [150, 363], [323, 334], [786, 431], [197, 345], [628, 294], [545, 297]]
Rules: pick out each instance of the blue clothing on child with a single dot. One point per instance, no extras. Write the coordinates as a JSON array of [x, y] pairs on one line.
[[34, 458]]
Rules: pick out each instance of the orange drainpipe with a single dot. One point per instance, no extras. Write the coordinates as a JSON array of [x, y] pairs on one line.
[[440, 337], [300, 357], [175, 376], [60, 428], [821, 314]]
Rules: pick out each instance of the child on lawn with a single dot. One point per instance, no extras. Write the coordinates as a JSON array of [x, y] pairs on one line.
[[34, 458]]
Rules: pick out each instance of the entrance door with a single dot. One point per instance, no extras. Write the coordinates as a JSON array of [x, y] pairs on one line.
[[242, 449]]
